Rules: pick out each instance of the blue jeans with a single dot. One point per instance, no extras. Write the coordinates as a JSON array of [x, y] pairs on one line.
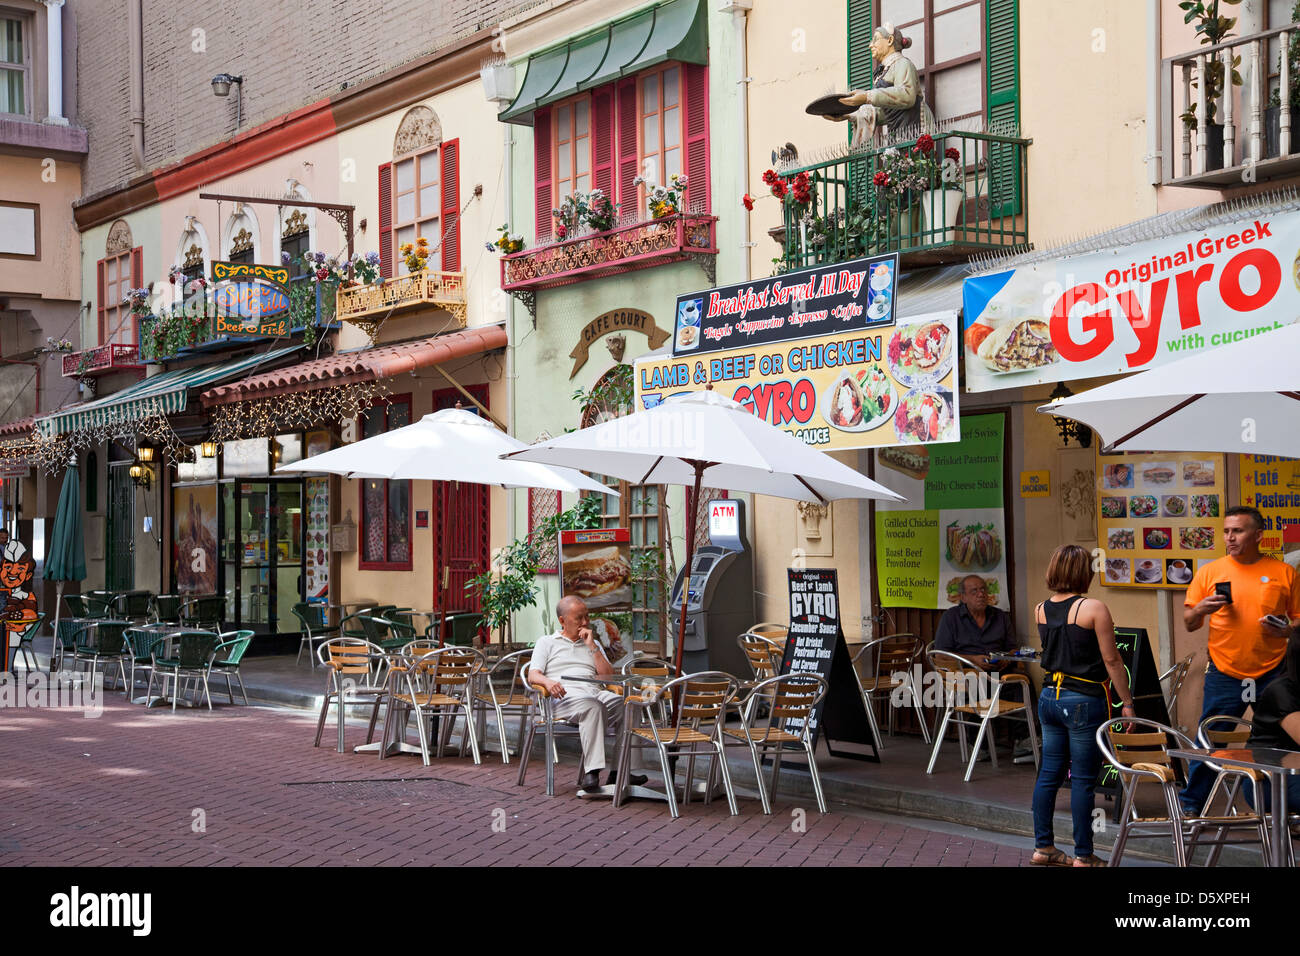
[[1223, 695], [1069, 728], [1292, 795]]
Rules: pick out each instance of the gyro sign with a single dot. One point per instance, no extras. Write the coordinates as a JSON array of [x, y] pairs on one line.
[[1133, 307]]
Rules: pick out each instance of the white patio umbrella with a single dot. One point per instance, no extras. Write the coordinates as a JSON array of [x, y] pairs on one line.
[[1241, 397], [704, 437], [450, 445]]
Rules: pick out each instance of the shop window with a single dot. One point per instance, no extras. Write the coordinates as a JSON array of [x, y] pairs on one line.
[[651, 125], [947, 49], [116, 276], [385, 505], [15, 66]]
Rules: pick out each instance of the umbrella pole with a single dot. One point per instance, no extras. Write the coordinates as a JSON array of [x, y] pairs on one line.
[[690, 557], [58, 605], [446, 576]]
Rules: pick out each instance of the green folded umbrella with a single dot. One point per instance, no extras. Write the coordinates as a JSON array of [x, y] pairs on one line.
[[66, 557]]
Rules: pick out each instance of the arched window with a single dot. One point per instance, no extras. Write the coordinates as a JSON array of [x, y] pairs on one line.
[[419, 192], [296, 231], [241, 238], [120, 271]]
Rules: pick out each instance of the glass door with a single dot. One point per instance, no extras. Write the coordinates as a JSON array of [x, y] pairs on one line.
[[286, 571], [267, 556]]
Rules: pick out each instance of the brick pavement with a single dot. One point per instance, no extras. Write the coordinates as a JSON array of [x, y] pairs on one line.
[[132, 787]]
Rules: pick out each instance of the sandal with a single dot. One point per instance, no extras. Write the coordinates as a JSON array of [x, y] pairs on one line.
[[1049, 857], [1090, 860]]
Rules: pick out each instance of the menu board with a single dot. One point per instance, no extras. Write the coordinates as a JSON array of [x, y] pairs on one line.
[[318, 534], [1272, 485], [922, 554], [596, 565], [815, 645], [1159, 516], [854, 389]]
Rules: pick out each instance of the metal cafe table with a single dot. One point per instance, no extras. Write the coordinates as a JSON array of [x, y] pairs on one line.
[[1277, 764]]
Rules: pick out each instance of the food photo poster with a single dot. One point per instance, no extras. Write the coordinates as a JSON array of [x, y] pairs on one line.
[[596, 565], [870, 387], [1159, 516], [959, 528]]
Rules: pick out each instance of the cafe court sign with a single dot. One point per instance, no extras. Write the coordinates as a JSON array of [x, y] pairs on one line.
[[250, 299], [616, 320]]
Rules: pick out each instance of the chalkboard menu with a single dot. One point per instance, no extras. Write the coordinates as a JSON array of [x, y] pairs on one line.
[[1148, 698], [815, 645]]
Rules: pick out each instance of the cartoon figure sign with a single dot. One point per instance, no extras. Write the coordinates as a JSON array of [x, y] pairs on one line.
[[17, 569]]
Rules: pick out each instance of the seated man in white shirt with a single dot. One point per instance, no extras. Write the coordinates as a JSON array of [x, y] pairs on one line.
[[573, 650]]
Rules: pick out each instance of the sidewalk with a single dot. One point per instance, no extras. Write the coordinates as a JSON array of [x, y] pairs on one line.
[[995, 800]]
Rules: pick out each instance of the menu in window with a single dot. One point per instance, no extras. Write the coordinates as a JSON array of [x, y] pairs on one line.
[[1159, 516], [318, 532]]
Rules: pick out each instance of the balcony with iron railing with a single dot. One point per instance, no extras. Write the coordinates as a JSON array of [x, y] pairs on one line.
[[366, 305], [88, 363], [1251, 135], [636, 245], [190, 328], [934, 201]]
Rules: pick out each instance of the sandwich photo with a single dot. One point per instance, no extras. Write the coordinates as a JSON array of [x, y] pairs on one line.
[[973, 546], [597, 572], [1157, 474], [913, 462], [1018, 346]]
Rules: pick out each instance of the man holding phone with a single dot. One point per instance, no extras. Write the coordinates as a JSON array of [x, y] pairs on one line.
[[1239, 593]]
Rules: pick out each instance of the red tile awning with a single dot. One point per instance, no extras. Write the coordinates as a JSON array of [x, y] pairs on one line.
[[19, 429], [381, 361]]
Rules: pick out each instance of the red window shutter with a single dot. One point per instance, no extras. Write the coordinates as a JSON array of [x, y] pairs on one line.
[[386, 220], [451, 206], [137, 282], [629, 159], [542, 173], [602, 125], [697, 138], [99, 299]]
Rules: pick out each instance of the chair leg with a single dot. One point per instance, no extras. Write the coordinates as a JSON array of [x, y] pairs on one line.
[[341, 709], [525, 750], [207, 693], [776, 769], [320, 724], [472, 734], [938, 738], [501, 733], [758, 777], [871, 721], [1125, 821], [720, 760], [550, 757], [242, 693], [424, 734], [670, 789]]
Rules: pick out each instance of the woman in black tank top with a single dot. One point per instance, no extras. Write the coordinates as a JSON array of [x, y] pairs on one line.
[[1079, 655]]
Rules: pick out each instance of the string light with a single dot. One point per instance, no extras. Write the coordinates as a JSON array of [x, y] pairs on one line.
[[297, 410]]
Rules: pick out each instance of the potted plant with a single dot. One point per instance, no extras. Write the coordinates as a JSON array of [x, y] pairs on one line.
[[942, 202], [1273, 111], [1212, 29], [506, 243]]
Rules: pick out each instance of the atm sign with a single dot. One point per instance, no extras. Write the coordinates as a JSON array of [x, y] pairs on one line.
[[724, 519]]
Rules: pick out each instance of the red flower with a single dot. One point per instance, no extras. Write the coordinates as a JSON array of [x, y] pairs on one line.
[[881, 179], [779, 189], [925, 143], [951, 153], [747, 201], [561, 231], [322, 273], [770, 178]]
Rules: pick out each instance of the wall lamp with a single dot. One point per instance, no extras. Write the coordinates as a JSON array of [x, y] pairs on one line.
[[221, 84], [145, 453], [1067, 427], [209, 449], [141, 475]]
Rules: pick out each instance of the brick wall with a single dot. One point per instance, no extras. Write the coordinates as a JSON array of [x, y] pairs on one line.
[[291, 52]]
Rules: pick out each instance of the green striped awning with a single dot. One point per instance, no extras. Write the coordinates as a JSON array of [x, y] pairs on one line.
[[674, 30], [164, 394]]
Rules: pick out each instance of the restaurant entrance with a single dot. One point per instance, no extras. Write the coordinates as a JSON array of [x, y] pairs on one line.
[[262, 553]]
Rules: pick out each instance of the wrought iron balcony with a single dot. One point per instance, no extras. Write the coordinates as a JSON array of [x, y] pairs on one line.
[[929, 207], [367, 305], [101, 361], [635, 246], [1251, 135]]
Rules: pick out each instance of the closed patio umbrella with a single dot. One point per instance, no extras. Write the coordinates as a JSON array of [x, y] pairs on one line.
[[705, 438], [66, 558]]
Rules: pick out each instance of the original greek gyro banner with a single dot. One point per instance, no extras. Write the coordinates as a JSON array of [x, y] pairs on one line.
[[863, 389], [848, 296], [1133, 307]]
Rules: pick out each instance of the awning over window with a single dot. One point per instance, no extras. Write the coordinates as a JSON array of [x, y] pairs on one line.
[[675, 30], [363, 365], [165, 394]]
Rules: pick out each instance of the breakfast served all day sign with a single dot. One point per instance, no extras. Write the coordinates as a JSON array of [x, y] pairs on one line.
[[1132, 307], [1159, 516], [895, 385]]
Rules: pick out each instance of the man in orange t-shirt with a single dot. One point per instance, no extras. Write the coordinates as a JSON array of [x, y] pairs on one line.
[[1246, 651]]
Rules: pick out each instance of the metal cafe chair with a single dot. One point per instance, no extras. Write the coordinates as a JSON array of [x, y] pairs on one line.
[[133, 605], [762, 653], [311, 620], [357, 675], [653, 672], [203, 613], [1140, 754], [76, 605], [543, 717], [138, 654], [502, 691], [789, 700], [382, 632], [889, 663], [1176, 675], [230, 652], [695, 731], [166, 608], [96, 606], [973, 698], [100, 643], [437, 683], [189, 657], [24, 645]]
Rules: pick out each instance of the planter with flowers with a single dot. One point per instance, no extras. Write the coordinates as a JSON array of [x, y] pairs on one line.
[[942, 203], [506, 244]]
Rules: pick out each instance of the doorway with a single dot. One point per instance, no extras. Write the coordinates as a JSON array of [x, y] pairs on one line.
[[464, 555], [262, 552], [120, 573]]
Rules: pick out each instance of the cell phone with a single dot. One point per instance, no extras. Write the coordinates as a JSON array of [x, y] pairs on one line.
[[1278, 620], [1224, 590]]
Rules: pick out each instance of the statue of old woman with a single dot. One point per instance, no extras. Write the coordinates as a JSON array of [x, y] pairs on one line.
[[896, 99]]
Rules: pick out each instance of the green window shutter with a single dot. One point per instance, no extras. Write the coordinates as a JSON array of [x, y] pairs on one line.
[[1002, 88], [860, 27]]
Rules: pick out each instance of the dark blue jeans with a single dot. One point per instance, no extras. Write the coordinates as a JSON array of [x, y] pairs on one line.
[[1292, 795], [1223, 695], [1069, 728]]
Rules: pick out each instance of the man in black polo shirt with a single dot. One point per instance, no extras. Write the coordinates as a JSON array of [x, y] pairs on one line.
[[973, 629]]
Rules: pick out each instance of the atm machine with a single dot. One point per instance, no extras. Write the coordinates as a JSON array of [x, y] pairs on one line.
[[720, 594]]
